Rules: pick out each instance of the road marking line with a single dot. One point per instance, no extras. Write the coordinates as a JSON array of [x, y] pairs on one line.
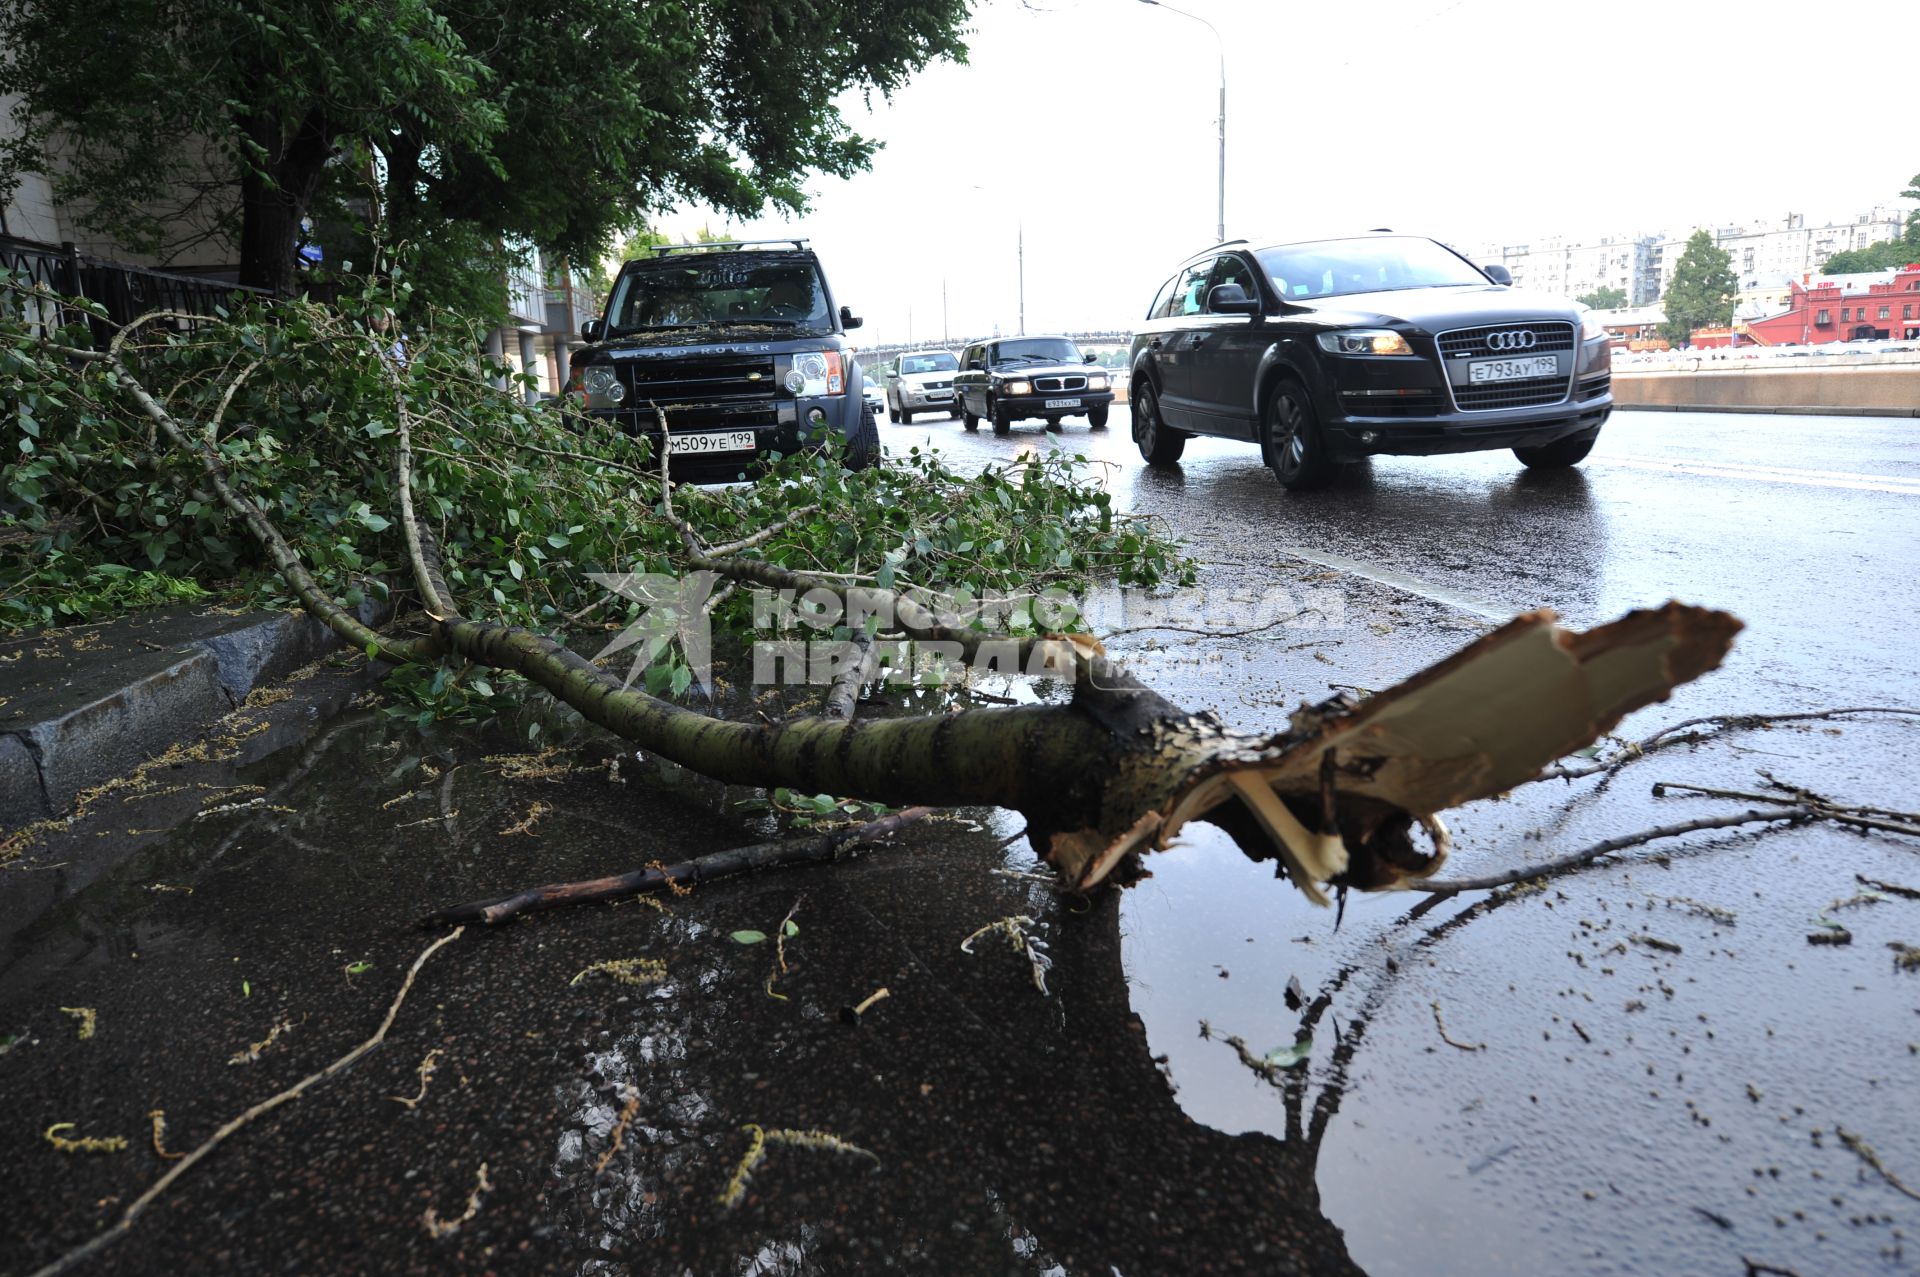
[[1903, 488], [1401, 581]]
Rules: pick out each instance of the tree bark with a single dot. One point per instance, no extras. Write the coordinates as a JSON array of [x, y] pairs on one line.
[[278, 183]]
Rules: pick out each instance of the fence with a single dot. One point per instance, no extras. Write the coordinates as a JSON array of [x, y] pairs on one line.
[[125, 292]]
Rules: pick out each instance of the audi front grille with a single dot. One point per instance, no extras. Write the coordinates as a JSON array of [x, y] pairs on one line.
[[1509, 340]]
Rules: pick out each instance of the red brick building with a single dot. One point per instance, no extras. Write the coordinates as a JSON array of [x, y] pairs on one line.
[[1826, 310]]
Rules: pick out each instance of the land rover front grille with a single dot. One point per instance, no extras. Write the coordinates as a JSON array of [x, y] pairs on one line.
[[700, 379]]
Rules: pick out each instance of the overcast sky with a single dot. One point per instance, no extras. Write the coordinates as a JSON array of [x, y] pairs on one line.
[[1090, 126]]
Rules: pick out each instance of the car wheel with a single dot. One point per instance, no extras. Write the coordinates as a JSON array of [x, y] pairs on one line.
[[1159, 443], [1097, 419], [1053, 423], [1002, 419], [953, 414], [1561, 452], [1290, 440], [967, 418], [893, 413], [906, 417], [863, 446]]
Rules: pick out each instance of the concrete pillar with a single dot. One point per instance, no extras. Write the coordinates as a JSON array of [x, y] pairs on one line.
[[530, 363], [497, 352], [562, 362]]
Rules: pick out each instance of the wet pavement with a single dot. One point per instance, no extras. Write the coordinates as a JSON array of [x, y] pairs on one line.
[[1639, 1069]]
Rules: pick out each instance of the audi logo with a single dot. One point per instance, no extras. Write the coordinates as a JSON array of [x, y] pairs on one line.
[[1512, 339]]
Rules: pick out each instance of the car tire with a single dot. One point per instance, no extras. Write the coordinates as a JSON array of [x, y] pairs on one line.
[[1097, 419], [1290, 440], [863, 446], [953, 414], [906, 418], [968, 420], [1559, 454], [1053, 423], [1002, 419], [893, 413], [1159, 443]]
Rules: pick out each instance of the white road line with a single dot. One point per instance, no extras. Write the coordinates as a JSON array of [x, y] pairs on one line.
[[1401, 581], [1796, 471], [1765, 474]]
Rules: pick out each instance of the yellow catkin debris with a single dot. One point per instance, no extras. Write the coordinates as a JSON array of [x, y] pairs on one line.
[[527, 822], [634, 971], [88, 1020], [252, 1053], [822, 1141], [437, 1228], [85, 1144], [425, 1072], [159, 1117]]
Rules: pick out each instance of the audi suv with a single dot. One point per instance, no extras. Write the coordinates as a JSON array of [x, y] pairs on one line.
[[1327, 351]]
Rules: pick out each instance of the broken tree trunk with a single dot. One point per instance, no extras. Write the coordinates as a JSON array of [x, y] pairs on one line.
[[1117, 771]]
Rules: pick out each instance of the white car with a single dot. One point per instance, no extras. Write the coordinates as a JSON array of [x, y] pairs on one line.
[[921, 381]]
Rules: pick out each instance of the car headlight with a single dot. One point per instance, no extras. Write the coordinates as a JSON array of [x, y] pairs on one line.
[[1591, 329], [815, 373], [1016, 387], [601, 386], [1097, 382], [1365, 341]]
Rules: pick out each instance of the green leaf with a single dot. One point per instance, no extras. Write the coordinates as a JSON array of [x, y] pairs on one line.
[[1291, 1057], [246, 989], [790, 928], [748, 937]]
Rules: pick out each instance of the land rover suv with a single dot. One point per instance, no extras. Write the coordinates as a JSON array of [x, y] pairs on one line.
[[742, 349], [1325, 351]]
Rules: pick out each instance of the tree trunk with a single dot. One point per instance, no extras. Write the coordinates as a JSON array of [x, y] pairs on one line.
[[277, 187]]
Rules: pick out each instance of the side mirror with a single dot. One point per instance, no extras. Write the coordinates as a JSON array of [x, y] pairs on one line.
[[1231, 299], [1498, 274], [1089, 359], [848, 319], [592, 330], [977, 365]]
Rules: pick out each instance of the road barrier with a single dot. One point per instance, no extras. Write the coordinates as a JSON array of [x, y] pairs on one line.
[[1880, 390]]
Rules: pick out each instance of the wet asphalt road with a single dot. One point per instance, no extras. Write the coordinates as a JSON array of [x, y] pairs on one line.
[[1598, 1103]]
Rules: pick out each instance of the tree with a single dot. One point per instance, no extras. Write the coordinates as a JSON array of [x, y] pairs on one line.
[[1887, 254], [461, 127], [1703, 290], [1608, 298]]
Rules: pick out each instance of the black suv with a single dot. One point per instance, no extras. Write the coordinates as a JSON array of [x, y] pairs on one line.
[[1337, 349], [741, 345], [1007, 379]]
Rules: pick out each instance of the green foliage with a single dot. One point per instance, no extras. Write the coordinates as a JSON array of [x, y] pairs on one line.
[[1608, 298], [1888, 254], [458, 123], [1703, 292], [300, 402]]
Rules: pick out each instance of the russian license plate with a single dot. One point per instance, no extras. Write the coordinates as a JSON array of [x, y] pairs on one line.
[[710, 441], [1484, 370], [1063, 403]]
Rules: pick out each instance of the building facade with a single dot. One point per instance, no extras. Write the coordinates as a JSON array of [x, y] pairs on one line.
[[1874, 306]]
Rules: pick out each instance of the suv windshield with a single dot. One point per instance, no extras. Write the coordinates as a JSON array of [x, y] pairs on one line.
[[1338, 267], [939, 361], [1050, 349], [719, 289]]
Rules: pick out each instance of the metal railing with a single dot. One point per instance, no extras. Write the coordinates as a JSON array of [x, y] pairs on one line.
[[124, 292]]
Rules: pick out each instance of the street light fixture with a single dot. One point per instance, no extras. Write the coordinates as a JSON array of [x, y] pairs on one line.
[[1220, 229]]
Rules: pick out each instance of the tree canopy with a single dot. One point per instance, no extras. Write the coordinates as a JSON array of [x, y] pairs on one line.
[[1703, 291], [452, 127], [1888, 254], [1608, 298]]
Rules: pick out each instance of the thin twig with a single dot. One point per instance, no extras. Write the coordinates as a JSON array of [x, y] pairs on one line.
[[1206, 633], [1575, 860], [1668, 736], [220, 1136]]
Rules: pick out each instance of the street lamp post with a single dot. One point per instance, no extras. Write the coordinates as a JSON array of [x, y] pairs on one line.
[[1220, 227]]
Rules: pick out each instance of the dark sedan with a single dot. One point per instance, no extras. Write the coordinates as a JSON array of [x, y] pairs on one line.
[[1009, 379], [1332, 350]]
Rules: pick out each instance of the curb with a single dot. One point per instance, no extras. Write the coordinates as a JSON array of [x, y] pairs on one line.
[[1769, 410], [92, 702]]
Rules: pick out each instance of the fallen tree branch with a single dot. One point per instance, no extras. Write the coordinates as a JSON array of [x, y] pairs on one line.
[[1803, 800], [1679, 734], [140, 1203], [719, 864], [1586, 855]]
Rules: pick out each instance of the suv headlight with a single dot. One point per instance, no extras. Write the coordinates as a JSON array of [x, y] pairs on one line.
[[600, 386], [1098, 381], [1365, 341], [1016, 387], [815, 373], [1591, 329]]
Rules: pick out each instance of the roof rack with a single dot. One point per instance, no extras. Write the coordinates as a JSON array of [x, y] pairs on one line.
[[721, 245]]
